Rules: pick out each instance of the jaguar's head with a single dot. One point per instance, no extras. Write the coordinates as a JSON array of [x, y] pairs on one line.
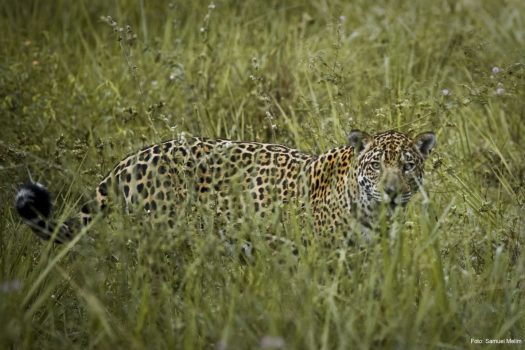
[[389, 167]]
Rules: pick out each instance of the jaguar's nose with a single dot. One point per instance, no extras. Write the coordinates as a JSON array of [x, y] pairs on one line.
[[391, 185], [391, 191]]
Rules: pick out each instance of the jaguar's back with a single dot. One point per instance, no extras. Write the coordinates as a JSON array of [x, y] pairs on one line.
[[159, 177]]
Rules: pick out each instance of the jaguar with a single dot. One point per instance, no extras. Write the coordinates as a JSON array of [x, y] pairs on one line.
[[343, 186]]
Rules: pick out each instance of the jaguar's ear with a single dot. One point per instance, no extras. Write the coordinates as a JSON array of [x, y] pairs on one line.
[[358, 140], [425, 142]]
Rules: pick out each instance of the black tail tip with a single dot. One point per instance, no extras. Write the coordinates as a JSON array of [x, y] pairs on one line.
[[33, 200]]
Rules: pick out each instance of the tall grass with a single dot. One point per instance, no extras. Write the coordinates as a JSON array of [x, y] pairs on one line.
[[79, 90]]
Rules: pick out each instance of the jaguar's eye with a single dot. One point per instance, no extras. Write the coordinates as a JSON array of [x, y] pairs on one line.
[[409, 167], [376, 166]]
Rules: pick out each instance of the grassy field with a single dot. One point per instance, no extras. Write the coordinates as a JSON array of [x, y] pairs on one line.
[[82, 83]]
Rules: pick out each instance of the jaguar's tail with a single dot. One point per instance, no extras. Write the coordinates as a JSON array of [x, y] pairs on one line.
[[33, 203]]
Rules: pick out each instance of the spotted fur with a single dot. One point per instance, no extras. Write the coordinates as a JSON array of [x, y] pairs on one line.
[[344, 185]]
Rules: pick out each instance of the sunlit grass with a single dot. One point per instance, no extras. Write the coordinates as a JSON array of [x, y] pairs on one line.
[[78, 91]]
